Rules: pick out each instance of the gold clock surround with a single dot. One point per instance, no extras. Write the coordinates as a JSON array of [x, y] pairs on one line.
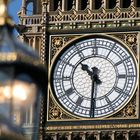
[[129, 111]]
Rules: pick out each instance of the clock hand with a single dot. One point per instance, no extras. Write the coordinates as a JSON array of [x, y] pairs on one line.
[[93, 96], [93, 74], [95, 81], [86, 68]]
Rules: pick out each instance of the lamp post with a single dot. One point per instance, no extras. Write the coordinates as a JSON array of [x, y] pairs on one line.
[[22, 79]]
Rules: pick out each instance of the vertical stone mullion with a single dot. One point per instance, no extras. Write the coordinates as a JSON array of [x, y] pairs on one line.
[[23, 8], [69, 136], [91, 4], [34, 43], [113, 135], [31, 115], [77, 4], [64, 4], [29, 42], [55, 136], [84, 136], [120, 3], [104, 2], [26, 117], [98, 135], [127, 135]]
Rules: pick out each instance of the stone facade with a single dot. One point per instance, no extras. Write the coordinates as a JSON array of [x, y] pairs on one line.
[[50, 26]]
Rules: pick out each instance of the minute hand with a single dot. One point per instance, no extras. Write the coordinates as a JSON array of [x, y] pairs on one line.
[[95, 81]]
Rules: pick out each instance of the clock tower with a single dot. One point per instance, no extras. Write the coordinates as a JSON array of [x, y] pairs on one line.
[[91, 50]]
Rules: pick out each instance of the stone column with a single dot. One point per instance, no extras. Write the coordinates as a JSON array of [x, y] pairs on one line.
[[119, 3], [31, 115], [23, 8], [113, 135], [55, 136], [69, 135], [77, 4], [98, 135], [64, 5], [34, 43], [127, 135], [104, 4], [91, 4], [84, 136]]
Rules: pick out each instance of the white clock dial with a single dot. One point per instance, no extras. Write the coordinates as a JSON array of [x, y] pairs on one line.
[[94, 77]]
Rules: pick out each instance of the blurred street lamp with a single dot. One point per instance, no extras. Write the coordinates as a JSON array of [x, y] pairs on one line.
[[22, 79]]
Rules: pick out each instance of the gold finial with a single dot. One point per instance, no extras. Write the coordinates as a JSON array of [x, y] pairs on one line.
[[4, 17]]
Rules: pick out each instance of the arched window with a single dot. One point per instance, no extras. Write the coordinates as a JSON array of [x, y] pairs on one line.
[[84, 4], [69, 4], [111, 4], [98, 4], [138, 3], [54, 4], [29, 9], [126, 3]]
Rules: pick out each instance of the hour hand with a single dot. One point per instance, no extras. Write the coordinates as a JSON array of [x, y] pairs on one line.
[[86, 68], [95, 75]]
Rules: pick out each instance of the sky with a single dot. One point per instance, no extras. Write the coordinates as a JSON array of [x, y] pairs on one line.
[[14, 7]]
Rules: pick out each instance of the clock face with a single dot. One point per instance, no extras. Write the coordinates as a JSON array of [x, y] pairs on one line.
[[94, 77]]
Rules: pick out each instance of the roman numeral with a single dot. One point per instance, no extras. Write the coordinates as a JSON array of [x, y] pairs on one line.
[[95, 51], [80, 52], [67, 63], [118, 63], [63, 78], [79, 101], [122, 76], [69, 91], [125, 76], [110, 50], [117, 89], [109, 102]]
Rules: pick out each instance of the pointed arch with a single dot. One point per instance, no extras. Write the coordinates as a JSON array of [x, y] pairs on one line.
[[83, 4], [111, 4], [54, 4], [126, 3], [137, 3], [69, 4], [29, 9], [98, 4]]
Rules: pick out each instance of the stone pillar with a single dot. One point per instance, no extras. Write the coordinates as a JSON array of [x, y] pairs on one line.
[[104, 4], [49, 3], [113, 135], [64, 5], [84, 136], [98, 135], [31, 115], [55, 136], [127, 135], [26, 117], [91, 4], [23, 8], [120, 3], [29, 41], [77, 4], [44, 34], [69, 135], [34, 43]]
